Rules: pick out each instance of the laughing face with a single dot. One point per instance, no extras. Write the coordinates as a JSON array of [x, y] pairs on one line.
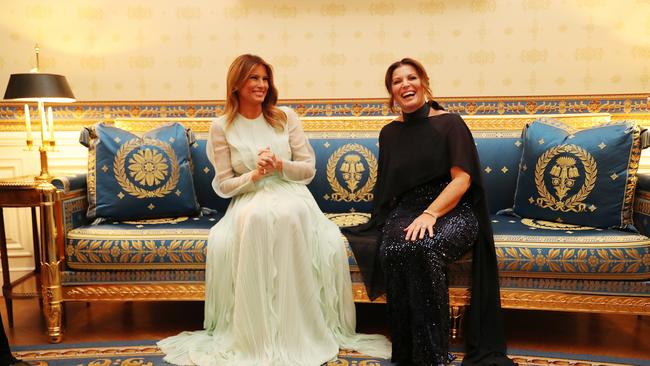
[[407, 88], [255, 87]]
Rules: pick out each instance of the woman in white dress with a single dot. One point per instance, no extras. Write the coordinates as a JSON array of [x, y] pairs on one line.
[[278, 289]]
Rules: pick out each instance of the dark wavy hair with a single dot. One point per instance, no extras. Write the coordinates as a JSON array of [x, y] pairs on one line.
[[422, 74]]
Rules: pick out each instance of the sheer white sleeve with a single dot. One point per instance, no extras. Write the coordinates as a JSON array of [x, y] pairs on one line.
[[226, 183], [302, 166]]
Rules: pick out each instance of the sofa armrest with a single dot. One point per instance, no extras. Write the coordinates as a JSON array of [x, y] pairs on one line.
[[73, 201], [642, 204], [69, 183]]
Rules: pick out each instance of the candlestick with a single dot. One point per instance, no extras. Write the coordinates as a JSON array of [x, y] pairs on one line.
[[50, 118], [41, 111], [28, 123]]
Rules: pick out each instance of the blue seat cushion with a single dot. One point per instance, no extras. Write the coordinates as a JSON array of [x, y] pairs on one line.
[[173, 243], [544, 249], [524, 247]]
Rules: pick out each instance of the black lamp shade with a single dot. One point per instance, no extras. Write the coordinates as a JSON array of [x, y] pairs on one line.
[[34, 87]]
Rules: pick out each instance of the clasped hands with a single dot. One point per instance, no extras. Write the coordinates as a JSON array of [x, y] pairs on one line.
[[267, 164], [422, 225]]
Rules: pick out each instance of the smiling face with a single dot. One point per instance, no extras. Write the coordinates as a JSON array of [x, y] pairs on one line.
[[407, 89], [255, 87]]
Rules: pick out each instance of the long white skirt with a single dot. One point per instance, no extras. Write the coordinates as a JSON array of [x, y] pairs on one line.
[[278, 289]]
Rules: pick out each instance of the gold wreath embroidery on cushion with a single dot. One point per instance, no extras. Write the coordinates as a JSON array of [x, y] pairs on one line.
[[165, 220], [149, 168], [348, 219], [563, 174], [541, 224], [352, 170]]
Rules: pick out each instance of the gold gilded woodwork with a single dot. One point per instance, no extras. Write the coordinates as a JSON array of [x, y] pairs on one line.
[[361, 295], [483, 134], [455, 314], [459, 296], [50, 264], [86, 352], [556, 301], [135, 292], [349, 123], [343, 135], [371, 123], [642, 119], [52, 299], [140, 124], [518, 122], [511, 299], [19, 183]]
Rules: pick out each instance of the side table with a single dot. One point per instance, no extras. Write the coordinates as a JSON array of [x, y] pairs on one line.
[[18, 192]]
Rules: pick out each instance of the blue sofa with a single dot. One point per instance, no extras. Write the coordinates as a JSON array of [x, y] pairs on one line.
[[543, 265]]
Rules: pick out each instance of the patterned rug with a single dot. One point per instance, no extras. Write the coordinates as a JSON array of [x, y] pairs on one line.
[[145, 353]]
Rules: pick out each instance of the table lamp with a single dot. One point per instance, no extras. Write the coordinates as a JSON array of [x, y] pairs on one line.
[[40, 88]]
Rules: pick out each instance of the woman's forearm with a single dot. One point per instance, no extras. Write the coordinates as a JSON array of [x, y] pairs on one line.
[[450, 196]]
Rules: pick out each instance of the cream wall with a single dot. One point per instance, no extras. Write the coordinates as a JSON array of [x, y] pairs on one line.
[[132, 50], [180, 50]]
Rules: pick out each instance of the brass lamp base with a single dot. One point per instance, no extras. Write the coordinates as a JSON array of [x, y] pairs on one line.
[[45, 174]]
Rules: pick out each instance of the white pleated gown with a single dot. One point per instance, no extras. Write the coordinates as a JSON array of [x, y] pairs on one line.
[[278, 289]]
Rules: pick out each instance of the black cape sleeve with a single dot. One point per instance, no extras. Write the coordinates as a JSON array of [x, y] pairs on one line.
[[485, 337]]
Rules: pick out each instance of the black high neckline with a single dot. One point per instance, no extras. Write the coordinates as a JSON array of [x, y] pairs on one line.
[[418, 114]]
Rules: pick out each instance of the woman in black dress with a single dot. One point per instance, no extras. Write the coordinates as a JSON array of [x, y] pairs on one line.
[[6, 358], [429, 210]]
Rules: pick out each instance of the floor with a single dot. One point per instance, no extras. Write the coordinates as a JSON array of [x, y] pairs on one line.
[[607, 335]]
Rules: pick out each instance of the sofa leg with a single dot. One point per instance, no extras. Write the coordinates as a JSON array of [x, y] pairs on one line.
[[52, 300], [50, 265], [456, 313]]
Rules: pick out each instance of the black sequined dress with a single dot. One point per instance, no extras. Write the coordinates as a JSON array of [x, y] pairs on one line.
[[415, 159], [416, 275]]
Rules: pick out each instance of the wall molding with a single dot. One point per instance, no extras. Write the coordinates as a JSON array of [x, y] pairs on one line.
[[72, 117]]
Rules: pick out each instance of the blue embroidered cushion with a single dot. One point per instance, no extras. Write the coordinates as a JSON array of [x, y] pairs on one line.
[[582, 177], [133, 177], [203, 176]]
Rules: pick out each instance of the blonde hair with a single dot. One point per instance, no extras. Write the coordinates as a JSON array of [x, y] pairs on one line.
[[238, 73], [419, 69]]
